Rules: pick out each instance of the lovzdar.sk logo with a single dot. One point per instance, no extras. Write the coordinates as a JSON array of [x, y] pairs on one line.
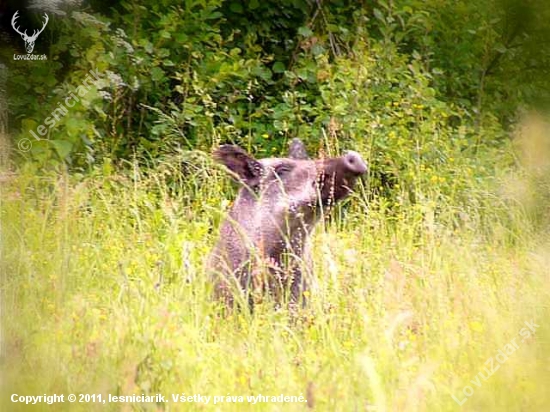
[[28, 39]]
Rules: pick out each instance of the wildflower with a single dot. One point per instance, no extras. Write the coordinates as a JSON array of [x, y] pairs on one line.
[[476, 326]]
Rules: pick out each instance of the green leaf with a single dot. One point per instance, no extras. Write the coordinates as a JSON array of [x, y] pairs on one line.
[[236, 7], [215, 15], [499, 47], [305, 31], [156, 74], [62, 147], [146, 44], [378, 14], [181, 37], [74, 126], [28, 124], [317, 49], [278, 67]]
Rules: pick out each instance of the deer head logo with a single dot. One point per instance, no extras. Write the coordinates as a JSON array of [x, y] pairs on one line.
[[29, 40]]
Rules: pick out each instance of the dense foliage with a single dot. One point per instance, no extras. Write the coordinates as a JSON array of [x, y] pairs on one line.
[[187, 75]]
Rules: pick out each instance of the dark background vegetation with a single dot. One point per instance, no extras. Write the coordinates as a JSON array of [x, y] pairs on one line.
[[188, 75]]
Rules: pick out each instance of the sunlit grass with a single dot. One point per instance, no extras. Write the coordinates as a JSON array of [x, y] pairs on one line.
[[105, 292]]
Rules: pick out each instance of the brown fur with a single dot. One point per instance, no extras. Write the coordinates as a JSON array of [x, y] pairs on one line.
[[263, 242]]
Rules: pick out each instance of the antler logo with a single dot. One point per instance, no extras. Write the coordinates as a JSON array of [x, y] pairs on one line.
[[29, 40]]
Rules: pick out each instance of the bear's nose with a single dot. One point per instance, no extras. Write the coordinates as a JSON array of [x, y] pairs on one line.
[[355, 163]]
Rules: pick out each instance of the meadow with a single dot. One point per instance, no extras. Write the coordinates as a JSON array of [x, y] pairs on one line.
[[104, 291]]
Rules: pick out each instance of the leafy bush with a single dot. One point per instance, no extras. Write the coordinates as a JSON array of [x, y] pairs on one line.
[[424, 88]]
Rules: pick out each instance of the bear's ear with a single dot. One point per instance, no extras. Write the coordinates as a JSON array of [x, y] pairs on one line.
[[245, 167], [297, 150]]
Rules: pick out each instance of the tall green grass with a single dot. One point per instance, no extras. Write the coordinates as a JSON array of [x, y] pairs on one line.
[[104, 292]]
